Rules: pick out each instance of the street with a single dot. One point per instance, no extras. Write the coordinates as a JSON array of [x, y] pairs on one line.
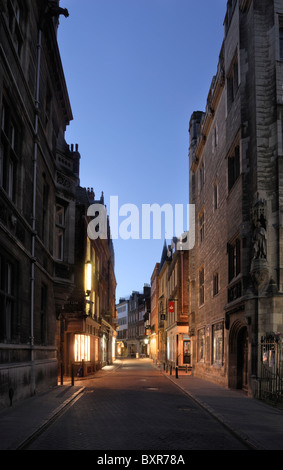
[[135, 407]]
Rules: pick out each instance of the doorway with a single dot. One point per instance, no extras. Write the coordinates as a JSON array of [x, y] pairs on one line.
[[238, 356]]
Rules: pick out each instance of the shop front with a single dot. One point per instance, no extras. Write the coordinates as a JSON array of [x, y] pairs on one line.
[[178, 346]]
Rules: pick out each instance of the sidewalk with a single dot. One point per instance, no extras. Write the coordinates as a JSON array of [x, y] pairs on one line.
[[20, 422], [260, 425]]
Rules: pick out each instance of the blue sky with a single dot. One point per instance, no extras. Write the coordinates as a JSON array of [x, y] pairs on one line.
[[135, 71]]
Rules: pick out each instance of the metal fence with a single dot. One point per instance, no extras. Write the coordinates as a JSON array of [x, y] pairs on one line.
[[271, 379]]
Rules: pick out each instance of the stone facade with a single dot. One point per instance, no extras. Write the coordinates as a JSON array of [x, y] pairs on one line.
[[235, 183], [88, 317], [37, 172], [138, 314]]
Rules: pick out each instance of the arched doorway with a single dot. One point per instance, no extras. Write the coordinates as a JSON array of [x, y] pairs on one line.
[[238, 356]]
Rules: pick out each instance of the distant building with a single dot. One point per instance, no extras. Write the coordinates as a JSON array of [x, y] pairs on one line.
[[153, 334], [122, 334], [235, 278], [139, 306], [178, 340]]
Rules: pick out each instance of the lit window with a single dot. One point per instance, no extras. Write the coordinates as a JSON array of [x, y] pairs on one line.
[[82, 348]]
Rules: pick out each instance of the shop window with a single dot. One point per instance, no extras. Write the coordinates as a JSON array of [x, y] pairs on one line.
[[82, 348]]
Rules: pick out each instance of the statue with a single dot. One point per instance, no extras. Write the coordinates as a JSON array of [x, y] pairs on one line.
[[259, 241]]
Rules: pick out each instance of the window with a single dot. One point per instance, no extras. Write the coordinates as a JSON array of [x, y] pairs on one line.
[[217, 338], [7, 299], [234, 261], [201, 286], [281, 37], [215, 283], [59, 232], [281, 41], [16, 21], [232, 82], [82, 348], [201, 344], [215, 196], [45, 218], [201, 226], [201, 175], [214, 138], [9, 150], [43, 313], [233, 167]]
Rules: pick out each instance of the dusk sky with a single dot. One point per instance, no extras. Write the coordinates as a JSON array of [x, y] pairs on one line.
[[135, 71]]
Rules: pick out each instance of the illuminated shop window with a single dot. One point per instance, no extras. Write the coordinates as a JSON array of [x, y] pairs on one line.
[[82, 348]]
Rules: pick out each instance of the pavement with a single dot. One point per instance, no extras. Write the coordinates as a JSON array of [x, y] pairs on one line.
[[258, 424]]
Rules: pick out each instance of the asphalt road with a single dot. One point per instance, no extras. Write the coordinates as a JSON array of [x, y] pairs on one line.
[[135, 408]]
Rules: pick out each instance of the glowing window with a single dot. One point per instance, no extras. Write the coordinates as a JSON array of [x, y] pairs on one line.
[[82, 348]]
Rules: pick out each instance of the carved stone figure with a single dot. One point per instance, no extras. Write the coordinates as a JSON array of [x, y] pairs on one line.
[[259, 241]]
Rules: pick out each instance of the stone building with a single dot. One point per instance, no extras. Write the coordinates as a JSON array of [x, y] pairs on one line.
[[235, 161], [139, 306], [88, 317], [122, 334], [38, 178], [178, 340], [169, 307], [153, 336]]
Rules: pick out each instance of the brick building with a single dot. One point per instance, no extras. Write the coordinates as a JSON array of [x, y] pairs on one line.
[[235, 278]]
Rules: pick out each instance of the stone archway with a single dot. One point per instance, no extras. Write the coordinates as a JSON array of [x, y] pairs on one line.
[[238, 356]]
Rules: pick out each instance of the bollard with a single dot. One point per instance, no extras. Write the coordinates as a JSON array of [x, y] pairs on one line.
[[62, 374], [176, 372], [11, 394], [170, 370], [186, 368], [72, 374]]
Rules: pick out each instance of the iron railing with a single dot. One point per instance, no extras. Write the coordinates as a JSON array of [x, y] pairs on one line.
[[271, 373]]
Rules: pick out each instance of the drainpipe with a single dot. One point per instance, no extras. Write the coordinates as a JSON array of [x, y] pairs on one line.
[[33, 259], [51, 11]]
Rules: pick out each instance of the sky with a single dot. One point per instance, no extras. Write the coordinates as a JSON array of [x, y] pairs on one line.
[[135, 71]]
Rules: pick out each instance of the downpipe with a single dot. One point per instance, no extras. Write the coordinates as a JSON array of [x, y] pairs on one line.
[[33, 259]]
